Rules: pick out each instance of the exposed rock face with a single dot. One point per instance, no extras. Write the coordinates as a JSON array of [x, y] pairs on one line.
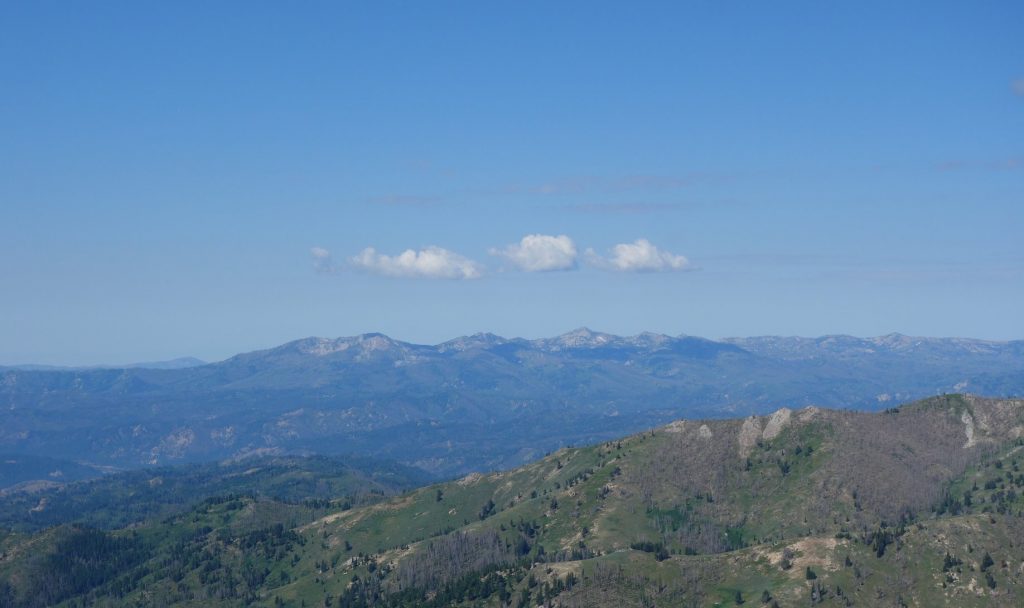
[[778, 421], [750, 432], [677, 426], [968, 421]]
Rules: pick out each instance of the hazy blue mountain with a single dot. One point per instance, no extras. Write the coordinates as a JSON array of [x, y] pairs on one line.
[[475, 402], [123, 498], [179, 363], [36, 472]]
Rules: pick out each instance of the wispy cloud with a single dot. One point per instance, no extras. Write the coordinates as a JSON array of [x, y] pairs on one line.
[[592, 184], [402, 200], [623, 208], [1006, 164], [653, 182], [422, 165], [429, 263], [638, 256], [322, 260], [625, 183], [540, 253], [1017, 86]]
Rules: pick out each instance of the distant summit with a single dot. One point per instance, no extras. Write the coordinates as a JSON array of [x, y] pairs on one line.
[[578, 338], [478, 340]]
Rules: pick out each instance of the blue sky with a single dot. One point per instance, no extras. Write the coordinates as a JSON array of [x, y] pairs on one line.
[[167, 171]]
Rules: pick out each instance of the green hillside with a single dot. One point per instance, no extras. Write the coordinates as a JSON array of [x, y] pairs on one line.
[[922, 505]]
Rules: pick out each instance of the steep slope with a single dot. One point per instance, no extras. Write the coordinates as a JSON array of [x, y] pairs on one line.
[[440, 407], [918, 506]]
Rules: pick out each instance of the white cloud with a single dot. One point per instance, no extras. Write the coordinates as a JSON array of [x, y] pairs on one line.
[[429, 263], [540, 253], [322, 260], [1018, 86], [639, 256]]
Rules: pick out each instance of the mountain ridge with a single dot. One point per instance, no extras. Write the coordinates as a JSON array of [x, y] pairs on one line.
[[585, 337], [576, 338]]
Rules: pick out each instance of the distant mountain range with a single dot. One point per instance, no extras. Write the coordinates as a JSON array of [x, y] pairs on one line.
[[473, 403], [179, 363]]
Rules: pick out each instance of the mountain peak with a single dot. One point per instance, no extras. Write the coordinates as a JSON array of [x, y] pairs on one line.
[[477, 340], [376, 340], [649, 339], [320, 347], [583, 337]]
